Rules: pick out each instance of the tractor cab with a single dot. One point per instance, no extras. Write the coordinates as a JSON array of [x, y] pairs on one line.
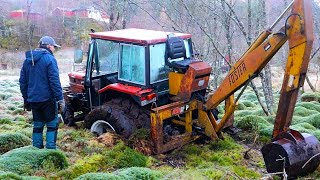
[[135, 62]]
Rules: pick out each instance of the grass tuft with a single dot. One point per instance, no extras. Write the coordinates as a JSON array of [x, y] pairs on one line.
[[9, 141], [27, 160]]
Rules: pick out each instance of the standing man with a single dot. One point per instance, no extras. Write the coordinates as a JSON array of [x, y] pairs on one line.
[[41, 90]]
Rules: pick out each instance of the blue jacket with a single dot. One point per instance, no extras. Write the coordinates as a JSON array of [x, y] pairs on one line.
[[40, 82]]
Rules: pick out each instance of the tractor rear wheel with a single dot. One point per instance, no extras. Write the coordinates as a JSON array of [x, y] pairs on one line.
[[120, 115]]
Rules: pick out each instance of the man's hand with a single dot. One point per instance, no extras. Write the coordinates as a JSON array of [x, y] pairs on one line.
[[26, 106], [61, 105]]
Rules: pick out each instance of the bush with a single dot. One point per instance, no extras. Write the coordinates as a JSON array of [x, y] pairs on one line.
[[120, 156], [242, 113], [309, 105], [248, 103], [88, 164], [99, 176], [266, 131], [124, 174], [18, 111], [5, 121], [9, 141], [303, 112], [5, 95], [251, 122], [138, 173], [251, 96], [303, 127], [313, 119], [13, 176], [240, 106], [227, 144], [308, 97], [27, 160]]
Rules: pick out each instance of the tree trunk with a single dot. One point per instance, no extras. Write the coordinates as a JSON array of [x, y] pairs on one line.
[[310, 84], [264, 108], [266, 72], [249, 22]]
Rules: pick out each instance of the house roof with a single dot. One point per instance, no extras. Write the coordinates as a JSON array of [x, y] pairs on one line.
[[137, 36]]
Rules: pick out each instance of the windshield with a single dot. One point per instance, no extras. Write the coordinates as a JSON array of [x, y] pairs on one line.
[[107, 60]]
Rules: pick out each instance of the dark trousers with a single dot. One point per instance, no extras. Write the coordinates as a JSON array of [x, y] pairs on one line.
[[45, 114]]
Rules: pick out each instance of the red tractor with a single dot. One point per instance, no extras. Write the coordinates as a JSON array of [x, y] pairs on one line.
[[138, 78], [126, 74]]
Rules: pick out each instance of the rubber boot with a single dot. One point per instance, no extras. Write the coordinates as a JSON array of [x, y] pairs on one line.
[[37, 140], [52, 131]]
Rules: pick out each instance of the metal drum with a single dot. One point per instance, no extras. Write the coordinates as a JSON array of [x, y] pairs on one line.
[[292, 152]]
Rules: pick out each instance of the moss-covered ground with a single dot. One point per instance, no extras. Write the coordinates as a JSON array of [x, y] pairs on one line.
[[83, 156]]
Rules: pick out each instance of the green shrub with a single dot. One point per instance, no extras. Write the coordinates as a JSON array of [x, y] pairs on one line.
[[313, 119], [9, 141], [13, 90], [245, 172], [251, 96], [120, 156], [303, 127], [27, 131], [20, 118], [309, 105], [248, 103], [13, 176], [303, 112], [191, 149], [124, 174], [27, 160], [9, 176], [240, 106], [5, 121], [99, 176], [18, 111], [266, 131], [140, 134], [227, 144], [93, 163], [308, 97], [138, 173], [12, 108], [5, 95], [242, 113], [251, 122]]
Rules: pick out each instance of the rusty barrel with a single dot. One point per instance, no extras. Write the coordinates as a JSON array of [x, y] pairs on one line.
[[296, 153]]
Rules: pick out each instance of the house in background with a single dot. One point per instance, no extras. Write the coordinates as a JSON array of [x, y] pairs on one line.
[[92, 14], [22, 14], [58, 11]]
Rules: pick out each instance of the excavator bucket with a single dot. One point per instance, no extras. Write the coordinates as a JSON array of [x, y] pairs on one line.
[[292, 153]]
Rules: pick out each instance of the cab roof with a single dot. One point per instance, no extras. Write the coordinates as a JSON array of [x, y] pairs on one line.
[[137, 36]]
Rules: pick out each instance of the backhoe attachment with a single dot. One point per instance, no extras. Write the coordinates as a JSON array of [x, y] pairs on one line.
[[292, 153]]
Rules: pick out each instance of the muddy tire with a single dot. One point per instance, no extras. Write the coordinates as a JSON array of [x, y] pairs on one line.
[[68, 115], [121, 115]]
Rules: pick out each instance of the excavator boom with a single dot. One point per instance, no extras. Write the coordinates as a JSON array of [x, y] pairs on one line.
[[290, 152]]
